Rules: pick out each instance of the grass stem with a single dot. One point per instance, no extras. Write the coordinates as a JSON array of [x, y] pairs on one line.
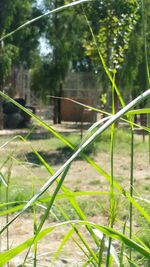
[[131, 185], [111, 212]]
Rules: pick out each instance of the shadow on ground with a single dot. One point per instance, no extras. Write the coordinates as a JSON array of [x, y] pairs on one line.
[[57, 157]]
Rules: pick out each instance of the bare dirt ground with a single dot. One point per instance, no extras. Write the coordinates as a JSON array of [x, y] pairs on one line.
[[81, 177]]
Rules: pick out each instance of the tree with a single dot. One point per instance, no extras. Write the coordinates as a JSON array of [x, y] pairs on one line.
[[19, 48]]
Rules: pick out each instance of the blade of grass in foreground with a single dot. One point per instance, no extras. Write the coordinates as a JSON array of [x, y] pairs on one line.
[[131, 112], [122, 247], [148, 124], [67, 236], [7, 256], [3, 180], [66, 195], [90, 260], [80, 150], [139, 111], [131, 185], [113, 252], [111, 185], [85, 243]]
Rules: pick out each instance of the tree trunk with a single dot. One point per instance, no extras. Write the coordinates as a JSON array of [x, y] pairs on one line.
[[55, 103], [57, 107], [59, 103]]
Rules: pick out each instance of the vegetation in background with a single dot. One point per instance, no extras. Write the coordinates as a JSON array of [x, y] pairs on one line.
[[19, 49]]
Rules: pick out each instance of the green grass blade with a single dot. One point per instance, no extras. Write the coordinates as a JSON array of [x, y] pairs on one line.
[[11, 210], [139, 111], [84, 242], [3, 180], [35, 226], [43, 162], [106, 243], [122, 247], [148, 124], [131, 186], [7, 256], [38, 120], [64, 241], [111, 186], [90, 259], [121, 237], [68, 194], [109, 114]]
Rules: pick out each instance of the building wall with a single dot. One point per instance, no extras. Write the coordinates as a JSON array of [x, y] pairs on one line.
[[81, 87], [71, 111]]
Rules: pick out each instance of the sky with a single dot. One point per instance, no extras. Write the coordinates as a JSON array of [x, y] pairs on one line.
[[44, 47]]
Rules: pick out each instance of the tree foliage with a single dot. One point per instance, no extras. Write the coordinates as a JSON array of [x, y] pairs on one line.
[[136, 65], [20, 47]]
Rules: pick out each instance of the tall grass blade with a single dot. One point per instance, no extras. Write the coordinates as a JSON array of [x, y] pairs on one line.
[[3, 180], [90, 260], [139, 111], [112, 249], [35, 233], [85, 243], [7, 199], [64, 241], [111, 197], [148, 125], [131, 185], [132, 112], [41, 122], [11, 209], [122, 247]]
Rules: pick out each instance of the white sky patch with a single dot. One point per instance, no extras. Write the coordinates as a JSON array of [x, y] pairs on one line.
[[39, 3], [45, 48]]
